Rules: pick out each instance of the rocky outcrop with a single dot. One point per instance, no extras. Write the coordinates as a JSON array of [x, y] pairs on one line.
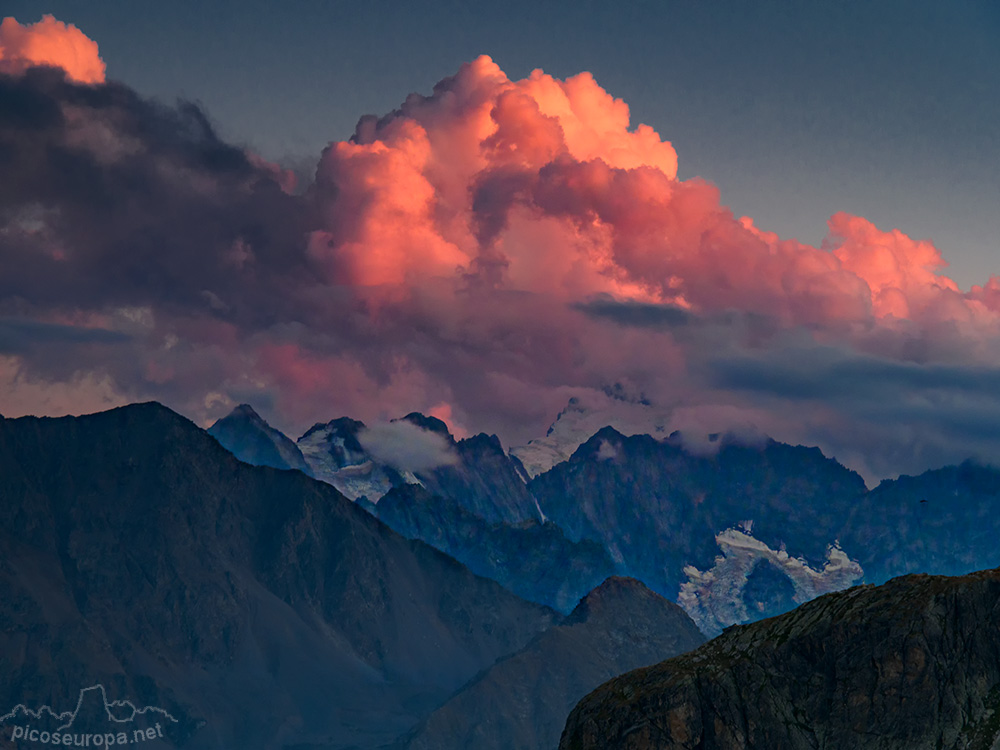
[[914, 663], [522, 700]]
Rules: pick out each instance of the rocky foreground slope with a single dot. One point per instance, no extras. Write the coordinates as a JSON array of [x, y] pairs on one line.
[[914, 663]]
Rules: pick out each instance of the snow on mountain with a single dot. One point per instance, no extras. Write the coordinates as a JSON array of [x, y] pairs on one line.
[[726, 595], [336, 456], [582, 418]]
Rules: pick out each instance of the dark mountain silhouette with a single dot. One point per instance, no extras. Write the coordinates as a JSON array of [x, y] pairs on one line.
[[258, 606], [522, 700], [913, 663]]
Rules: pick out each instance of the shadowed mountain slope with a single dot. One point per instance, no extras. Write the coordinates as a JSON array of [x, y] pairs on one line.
[[260, 606], [535, 560], [522, 701], [246, 435], [658, 508]]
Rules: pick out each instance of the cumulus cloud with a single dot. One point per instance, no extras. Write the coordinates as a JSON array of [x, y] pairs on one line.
[[486, 252], [407, 447], [52, 43]]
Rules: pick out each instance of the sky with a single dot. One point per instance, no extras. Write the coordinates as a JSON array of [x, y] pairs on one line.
[[795, 109], [769, 216]]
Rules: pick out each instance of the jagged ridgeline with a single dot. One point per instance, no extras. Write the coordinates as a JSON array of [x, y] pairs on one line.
[[747, 530]]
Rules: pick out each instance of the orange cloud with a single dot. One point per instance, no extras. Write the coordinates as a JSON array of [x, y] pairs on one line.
[[53, 43], [540, 186], [483, 253]]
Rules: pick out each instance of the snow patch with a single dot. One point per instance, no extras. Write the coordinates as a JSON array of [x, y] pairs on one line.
[[583, 417], [354, 473], [714, 598]]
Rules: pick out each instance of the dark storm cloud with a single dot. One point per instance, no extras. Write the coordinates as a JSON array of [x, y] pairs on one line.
[[830, 373], [882, 417], [18, 336], [110, 199], [636, 314]]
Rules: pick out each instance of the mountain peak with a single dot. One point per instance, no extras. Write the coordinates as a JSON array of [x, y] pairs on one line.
[[146, 413], [581, 418], [431, 424], [341, 426], [614, 594], [244, 410], [248, 436], [245, 414]]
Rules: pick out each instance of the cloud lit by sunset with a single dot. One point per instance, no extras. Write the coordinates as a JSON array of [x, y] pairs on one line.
[[49, 42], [486, 251]]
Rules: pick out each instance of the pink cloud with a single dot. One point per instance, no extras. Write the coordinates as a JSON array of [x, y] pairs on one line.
[[447, 259], [540, 185], [49, 42]]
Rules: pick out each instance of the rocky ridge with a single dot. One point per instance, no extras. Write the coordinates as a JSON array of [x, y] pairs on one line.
[[914, 663]]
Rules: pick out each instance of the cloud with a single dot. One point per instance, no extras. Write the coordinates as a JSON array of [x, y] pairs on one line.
[[820, 372], [606, 451], [485, 252], [407, 447], [638, 314], [882, 417], [52, 43], [17, 335]]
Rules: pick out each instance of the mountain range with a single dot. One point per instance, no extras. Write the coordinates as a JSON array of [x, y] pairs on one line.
[[258, 606], [746, 530], [261, 608]]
